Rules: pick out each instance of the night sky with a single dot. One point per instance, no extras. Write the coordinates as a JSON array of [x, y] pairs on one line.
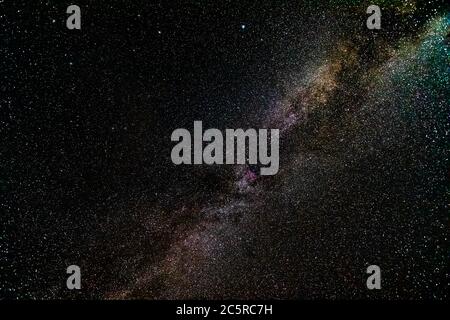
[[86, 176]]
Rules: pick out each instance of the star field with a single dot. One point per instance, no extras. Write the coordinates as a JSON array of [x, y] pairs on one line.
[[86, 176]]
